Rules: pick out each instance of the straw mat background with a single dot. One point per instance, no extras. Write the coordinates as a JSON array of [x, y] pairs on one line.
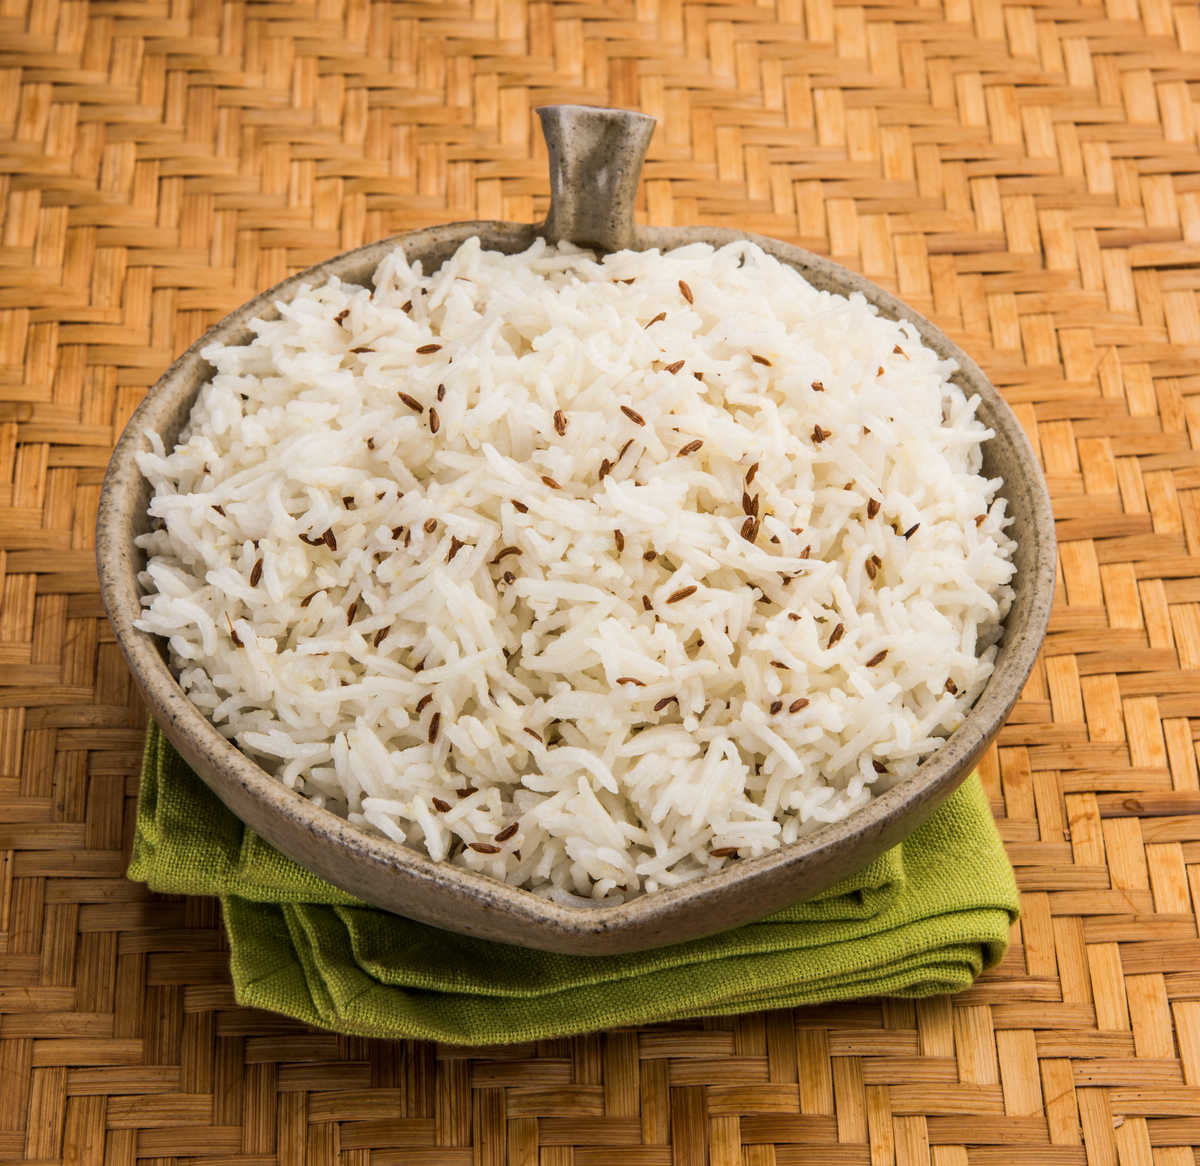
[[1025, 173]]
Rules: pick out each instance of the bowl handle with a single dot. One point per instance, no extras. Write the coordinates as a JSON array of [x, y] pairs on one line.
[[595, 161]]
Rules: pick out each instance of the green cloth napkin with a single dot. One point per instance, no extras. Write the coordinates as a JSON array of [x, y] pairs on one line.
[[924, 918]]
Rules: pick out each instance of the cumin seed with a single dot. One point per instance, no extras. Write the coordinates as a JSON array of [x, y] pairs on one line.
[[646, 604], [898, 351], [536, 736], [441, 392], [806, 552], [911, 530], [724, 852], [879, 371], [329, 540], [798, 704], [760, 359], [951, 688], [621, 451], [232, 632], [633, 415], [873, 507], [750, 474], [819, 434], [776, 706], [397, 531], [691, 447], [466, 791], [484, 847], [686, 292], [560, 422], [426, 349], [220, 510], [980, 519], [878, 658], [549, 481], [407, 306], [435, 422], [660, 316], [507, 832], [662, 704], [781, 664], [682, 593], [749, 529], [619, 539], [509, 578], [520, 507], [411, 402], [504, 552], [871, 570], [380, 636], [456, 545], [429, 525], [838, 632], [438, 804], [350, 612], [879, 767], [256, 573], [605, 469], [794, 616], [631, 680], [362, 348], [650, 556], [310, 597], [818, 387], [674, 367], [435, 723], [341, 315]]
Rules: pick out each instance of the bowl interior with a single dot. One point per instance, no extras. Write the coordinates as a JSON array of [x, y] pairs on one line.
[[403, 880]]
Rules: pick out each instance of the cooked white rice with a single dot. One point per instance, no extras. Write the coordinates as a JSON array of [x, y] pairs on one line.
[[394, 565]]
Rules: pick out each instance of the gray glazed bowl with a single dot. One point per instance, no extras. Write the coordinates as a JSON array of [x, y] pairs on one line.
[[595, 161]]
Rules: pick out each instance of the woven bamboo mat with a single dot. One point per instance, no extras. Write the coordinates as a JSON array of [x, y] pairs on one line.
[[1026, 173]]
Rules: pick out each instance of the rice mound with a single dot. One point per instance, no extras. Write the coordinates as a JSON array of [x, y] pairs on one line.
[[589, 575]]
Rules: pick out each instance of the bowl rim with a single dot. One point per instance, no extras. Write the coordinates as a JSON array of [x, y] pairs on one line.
[[252, 791]]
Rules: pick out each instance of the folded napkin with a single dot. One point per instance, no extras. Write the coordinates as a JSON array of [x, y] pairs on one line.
[[924, 918]]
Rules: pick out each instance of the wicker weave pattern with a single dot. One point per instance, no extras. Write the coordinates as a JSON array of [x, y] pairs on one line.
[[1025, 173]]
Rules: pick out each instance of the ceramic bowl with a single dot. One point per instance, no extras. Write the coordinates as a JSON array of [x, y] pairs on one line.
[[595, 161]]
